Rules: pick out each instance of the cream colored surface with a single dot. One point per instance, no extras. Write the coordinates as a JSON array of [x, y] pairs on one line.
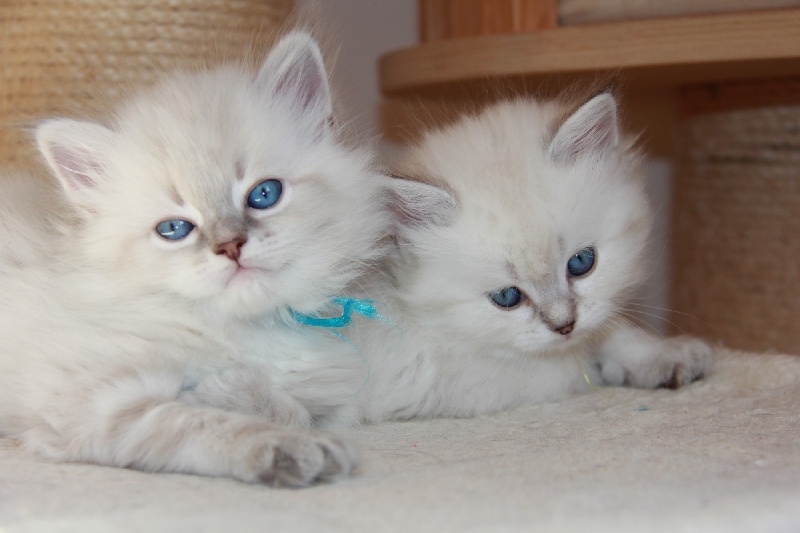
[[721, 455]]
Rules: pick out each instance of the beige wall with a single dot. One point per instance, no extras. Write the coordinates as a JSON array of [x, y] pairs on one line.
[[365, 29]]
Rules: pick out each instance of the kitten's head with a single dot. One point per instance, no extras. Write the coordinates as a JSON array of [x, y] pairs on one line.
[[226, 188], [523, 230]]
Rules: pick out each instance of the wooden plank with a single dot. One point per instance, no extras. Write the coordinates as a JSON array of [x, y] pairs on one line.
[[465, 18], [536, 15], [433, 20], [456, 19], [517, 16], [583, 11], [717, 98], [665, 52], [497, 17]]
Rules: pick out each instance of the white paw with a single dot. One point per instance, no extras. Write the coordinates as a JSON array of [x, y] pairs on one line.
[[292, 459], [684, 360], [648, 364]]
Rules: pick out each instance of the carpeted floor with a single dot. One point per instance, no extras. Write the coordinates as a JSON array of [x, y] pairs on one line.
[[722, 455]]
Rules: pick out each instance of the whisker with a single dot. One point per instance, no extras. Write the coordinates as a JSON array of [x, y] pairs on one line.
[[637, 323]]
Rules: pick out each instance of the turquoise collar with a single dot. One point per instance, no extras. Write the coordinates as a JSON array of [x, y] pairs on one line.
[[349, 306]]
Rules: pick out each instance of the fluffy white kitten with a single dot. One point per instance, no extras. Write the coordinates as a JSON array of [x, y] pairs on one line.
[[519, 240], [189, 225]]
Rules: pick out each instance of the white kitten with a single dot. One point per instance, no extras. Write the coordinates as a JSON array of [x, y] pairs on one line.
[[518, 244], [210, 205]]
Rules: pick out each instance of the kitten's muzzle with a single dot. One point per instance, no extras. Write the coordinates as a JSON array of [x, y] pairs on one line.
[[559, 314]]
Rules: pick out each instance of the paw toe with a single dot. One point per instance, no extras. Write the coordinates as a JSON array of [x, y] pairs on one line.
[[340, 459], [302, 460], [692, 362]]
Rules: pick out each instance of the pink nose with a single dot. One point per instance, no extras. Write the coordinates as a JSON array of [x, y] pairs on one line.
[[233, 249], [566, 329]]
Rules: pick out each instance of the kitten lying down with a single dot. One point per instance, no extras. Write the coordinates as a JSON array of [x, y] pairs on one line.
[[168, 259], [518, 242]]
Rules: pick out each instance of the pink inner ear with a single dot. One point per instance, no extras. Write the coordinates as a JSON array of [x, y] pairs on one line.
[[403, 215], [417, 204], [587, 130], [77, 167], [303, 83], [598, 136]]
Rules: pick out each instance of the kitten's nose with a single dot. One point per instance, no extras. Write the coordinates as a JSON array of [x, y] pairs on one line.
[[232, 248], [566, 329]]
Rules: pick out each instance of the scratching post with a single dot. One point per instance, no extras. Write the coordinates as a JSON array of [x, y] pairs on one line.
[[61, 56], [736, 216]]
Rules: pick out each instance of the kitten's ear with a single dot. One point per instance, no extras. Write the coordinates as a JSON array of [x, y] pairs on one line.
[[419, 204], [294, 71], [593, 127], [76, 152]]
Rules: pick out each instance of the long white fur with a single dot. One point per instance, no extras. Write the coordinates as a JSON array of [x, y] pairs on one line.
[[511, 195], [120, 348]]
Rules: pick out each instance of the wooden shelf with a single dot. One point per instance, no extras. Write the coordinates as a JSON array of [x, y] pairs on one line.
[[663, 53]]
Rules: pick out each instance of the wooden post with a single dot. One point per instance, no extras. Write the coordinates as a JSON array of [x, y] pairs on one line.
[[453, 19]]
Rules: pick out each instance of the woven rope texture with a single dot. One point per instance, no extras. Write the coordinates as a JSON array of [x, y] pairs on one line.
[[58, 56], [736, 221]]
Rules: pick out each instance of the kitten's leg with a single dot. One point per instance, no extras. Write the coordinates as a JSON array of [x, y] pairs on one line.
[[634, 358], [247, 388], [137, 422]]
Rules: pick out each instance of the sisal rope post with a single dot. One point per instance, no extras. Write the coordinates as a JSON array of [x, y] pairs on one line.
[[736, 216], [61, 56]]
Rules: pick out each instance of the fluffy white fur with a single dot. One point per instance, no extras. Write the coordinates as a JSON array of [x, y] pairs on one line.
[[122, 348], [505, 199]]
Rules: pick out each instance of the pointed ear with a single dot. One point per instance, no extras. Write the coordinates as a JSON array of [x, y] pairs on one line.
[[76, 152], [593, 127], [294, 71], [419, 204]]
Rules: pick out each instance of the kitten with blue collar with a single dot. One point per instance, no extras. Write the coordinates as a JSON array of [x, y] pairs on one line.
[[146, 291]]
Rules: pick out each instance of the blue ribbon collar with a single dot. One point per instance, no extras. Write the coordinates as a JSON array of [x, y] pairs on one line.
[[349, 306]]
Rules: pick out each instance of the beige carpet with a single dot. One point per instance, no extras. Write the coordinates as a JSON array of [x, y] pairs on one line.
[[722, 455]]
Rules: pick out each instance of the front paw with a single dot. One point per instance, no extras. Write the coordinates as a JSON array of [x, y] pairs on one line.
[[684, 360], [637, 360], [295, 459]]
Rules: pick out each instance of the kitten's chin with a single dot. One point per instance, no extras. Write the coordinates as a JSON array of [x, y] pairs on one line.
[[245, 293], [254, 292], [572, 343], [246, 303], [244, 275]]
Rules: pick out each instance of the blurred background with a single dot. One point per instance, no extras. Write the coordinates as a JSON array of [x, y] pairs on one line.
[[365, 30]]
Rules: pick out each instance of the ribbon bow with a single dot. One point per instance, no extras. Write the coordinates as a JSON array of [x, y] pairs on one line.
[[349, 306]]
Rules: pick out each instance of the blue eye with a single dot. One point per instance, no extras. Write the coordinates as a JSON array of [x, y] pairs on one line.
[[582, 262], [174, 230], [507, 297], [265, 194]]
